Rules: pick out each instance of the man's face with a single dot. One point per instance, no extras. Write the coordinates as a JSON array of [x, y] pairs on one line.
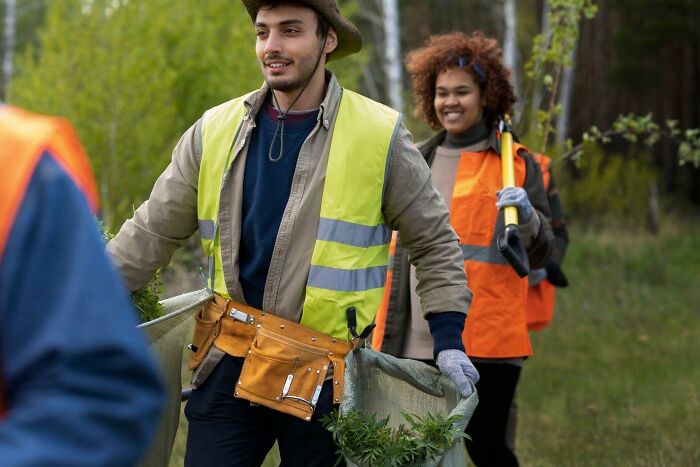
[[287, 46]]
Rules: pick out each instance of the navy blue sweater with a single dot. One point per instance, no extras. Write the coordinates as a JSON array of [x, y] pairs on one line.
[[266, 188]]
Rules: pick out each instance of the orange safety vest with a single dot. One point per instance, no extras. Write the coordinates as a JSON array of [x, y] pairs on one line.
[[540, 297], [380, 317], [24, 137], [496, 326]]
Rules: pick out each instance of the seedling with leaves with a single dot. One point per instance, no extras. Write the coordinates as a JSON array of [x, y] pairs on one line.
[[643, 130], [147, 298], [370, 442]]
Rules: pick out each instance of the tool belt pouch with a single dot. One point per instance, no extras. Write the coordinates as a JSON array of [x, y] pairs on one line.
[[286, 367], [206, 329]]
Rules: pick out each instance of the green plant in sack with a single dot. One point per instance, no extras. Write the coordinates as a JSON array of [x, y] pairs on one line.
[[373, 443], [147, 298]]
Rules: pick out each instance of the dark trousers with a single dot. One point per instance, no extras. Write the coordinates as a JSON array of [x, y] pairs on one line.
[[487, 427], [225, 431]]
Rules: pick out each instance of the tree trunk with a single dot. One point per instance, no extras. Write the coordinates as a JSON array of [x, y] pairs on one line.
[[510, 50], [392, 47], [8, 46], [565, 93], [538, 92]]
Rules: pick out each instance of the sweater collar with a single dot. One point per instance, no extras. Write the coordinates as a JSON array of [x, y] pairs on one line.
[[475, 134]]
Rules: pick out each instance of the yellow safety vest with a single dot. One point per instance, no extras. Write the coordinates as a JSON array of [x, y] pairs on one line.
[[350, 256]]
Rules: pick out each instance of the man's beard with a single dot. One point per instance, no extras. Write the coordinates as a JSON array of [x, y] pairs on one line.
[[305, 69]]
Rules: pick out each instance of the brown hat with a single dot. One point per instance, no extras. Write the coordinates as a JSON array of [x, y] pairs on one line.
[[349, 37]]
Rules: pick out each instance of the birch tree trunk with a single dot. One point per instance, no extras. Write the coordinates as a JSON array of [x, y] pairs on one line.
[[8, 45], [510, 49], [392, 46], [565, 93], [538, 91]]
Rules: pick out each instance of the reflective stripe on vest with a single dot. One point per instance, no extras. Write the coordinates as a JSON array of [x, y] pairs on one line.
[[220, 127], [350, 255], [496, 325]]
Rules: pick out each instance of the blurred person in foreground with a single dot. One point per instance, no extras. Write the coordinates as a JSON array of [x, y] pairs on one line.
[[294, 189], [462, 89], [78, 385]]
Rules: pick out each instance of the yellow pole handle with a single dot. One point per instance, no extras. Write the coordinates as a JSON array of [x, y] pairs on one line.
[[510, 213]]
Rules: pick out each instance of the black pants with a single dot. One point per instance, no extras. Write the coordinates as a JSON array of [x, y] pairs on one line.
[[487, 427], [225, 431]]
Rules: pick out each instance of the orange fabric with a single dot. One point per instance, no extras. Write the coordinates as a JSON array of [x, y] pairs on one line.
[[380, 319], [24, 137], [496, 326], [540, 299], [540, 305], [545, 162]]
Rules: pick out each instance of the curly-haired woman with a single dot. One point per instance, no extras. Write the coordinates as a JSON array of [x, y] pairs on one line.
[[461, 89]]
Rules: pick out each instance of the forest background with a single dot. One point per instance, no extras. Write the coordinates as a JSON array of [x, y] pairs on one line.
[[614, 379]]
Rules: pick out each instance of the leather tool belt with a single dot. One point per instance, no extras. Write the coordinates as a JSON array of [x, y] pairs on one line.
[[285, 363]]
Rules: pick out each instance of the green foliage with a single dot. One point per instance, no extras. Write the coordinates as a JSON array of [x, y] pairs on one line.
[[642, 130], [147, 298], [551, 53], [608, 188], [689, 149], [373, 443], [349, 70], [131, 76]]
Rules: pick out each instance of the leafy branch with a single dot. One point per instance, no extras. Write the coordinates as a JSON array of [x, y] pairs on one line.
[[551, 53], [639, 129], [372, 443]]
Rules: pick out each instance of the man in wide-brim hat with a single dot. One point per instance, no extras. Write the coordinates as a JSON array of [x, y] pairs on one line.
[[294, 189]]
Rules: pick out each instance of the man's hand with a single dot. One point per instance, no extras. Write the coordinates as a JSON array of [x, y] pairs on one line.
[[456, 365], [515, 196]]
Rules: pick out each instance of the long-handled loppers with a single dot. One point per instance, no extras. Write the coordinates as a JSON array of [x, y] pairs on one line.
[[510, 243]]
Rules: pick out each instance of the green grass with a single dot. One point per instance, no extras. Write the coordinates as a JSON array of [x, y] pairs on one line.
[[615, 379]]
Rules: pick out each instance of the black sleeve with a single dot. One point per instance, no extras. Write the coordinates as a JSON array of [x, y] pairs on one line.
[[541, 246], [561, 236]]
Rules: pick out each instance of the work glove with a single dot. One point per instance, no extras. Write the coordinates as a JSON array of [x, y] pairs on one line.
[[515, 196], [456, 365], [536, 276]]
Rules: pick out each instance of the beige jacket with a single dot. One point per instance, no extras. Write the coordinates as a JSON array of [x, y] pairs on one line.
[[410, 205]]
